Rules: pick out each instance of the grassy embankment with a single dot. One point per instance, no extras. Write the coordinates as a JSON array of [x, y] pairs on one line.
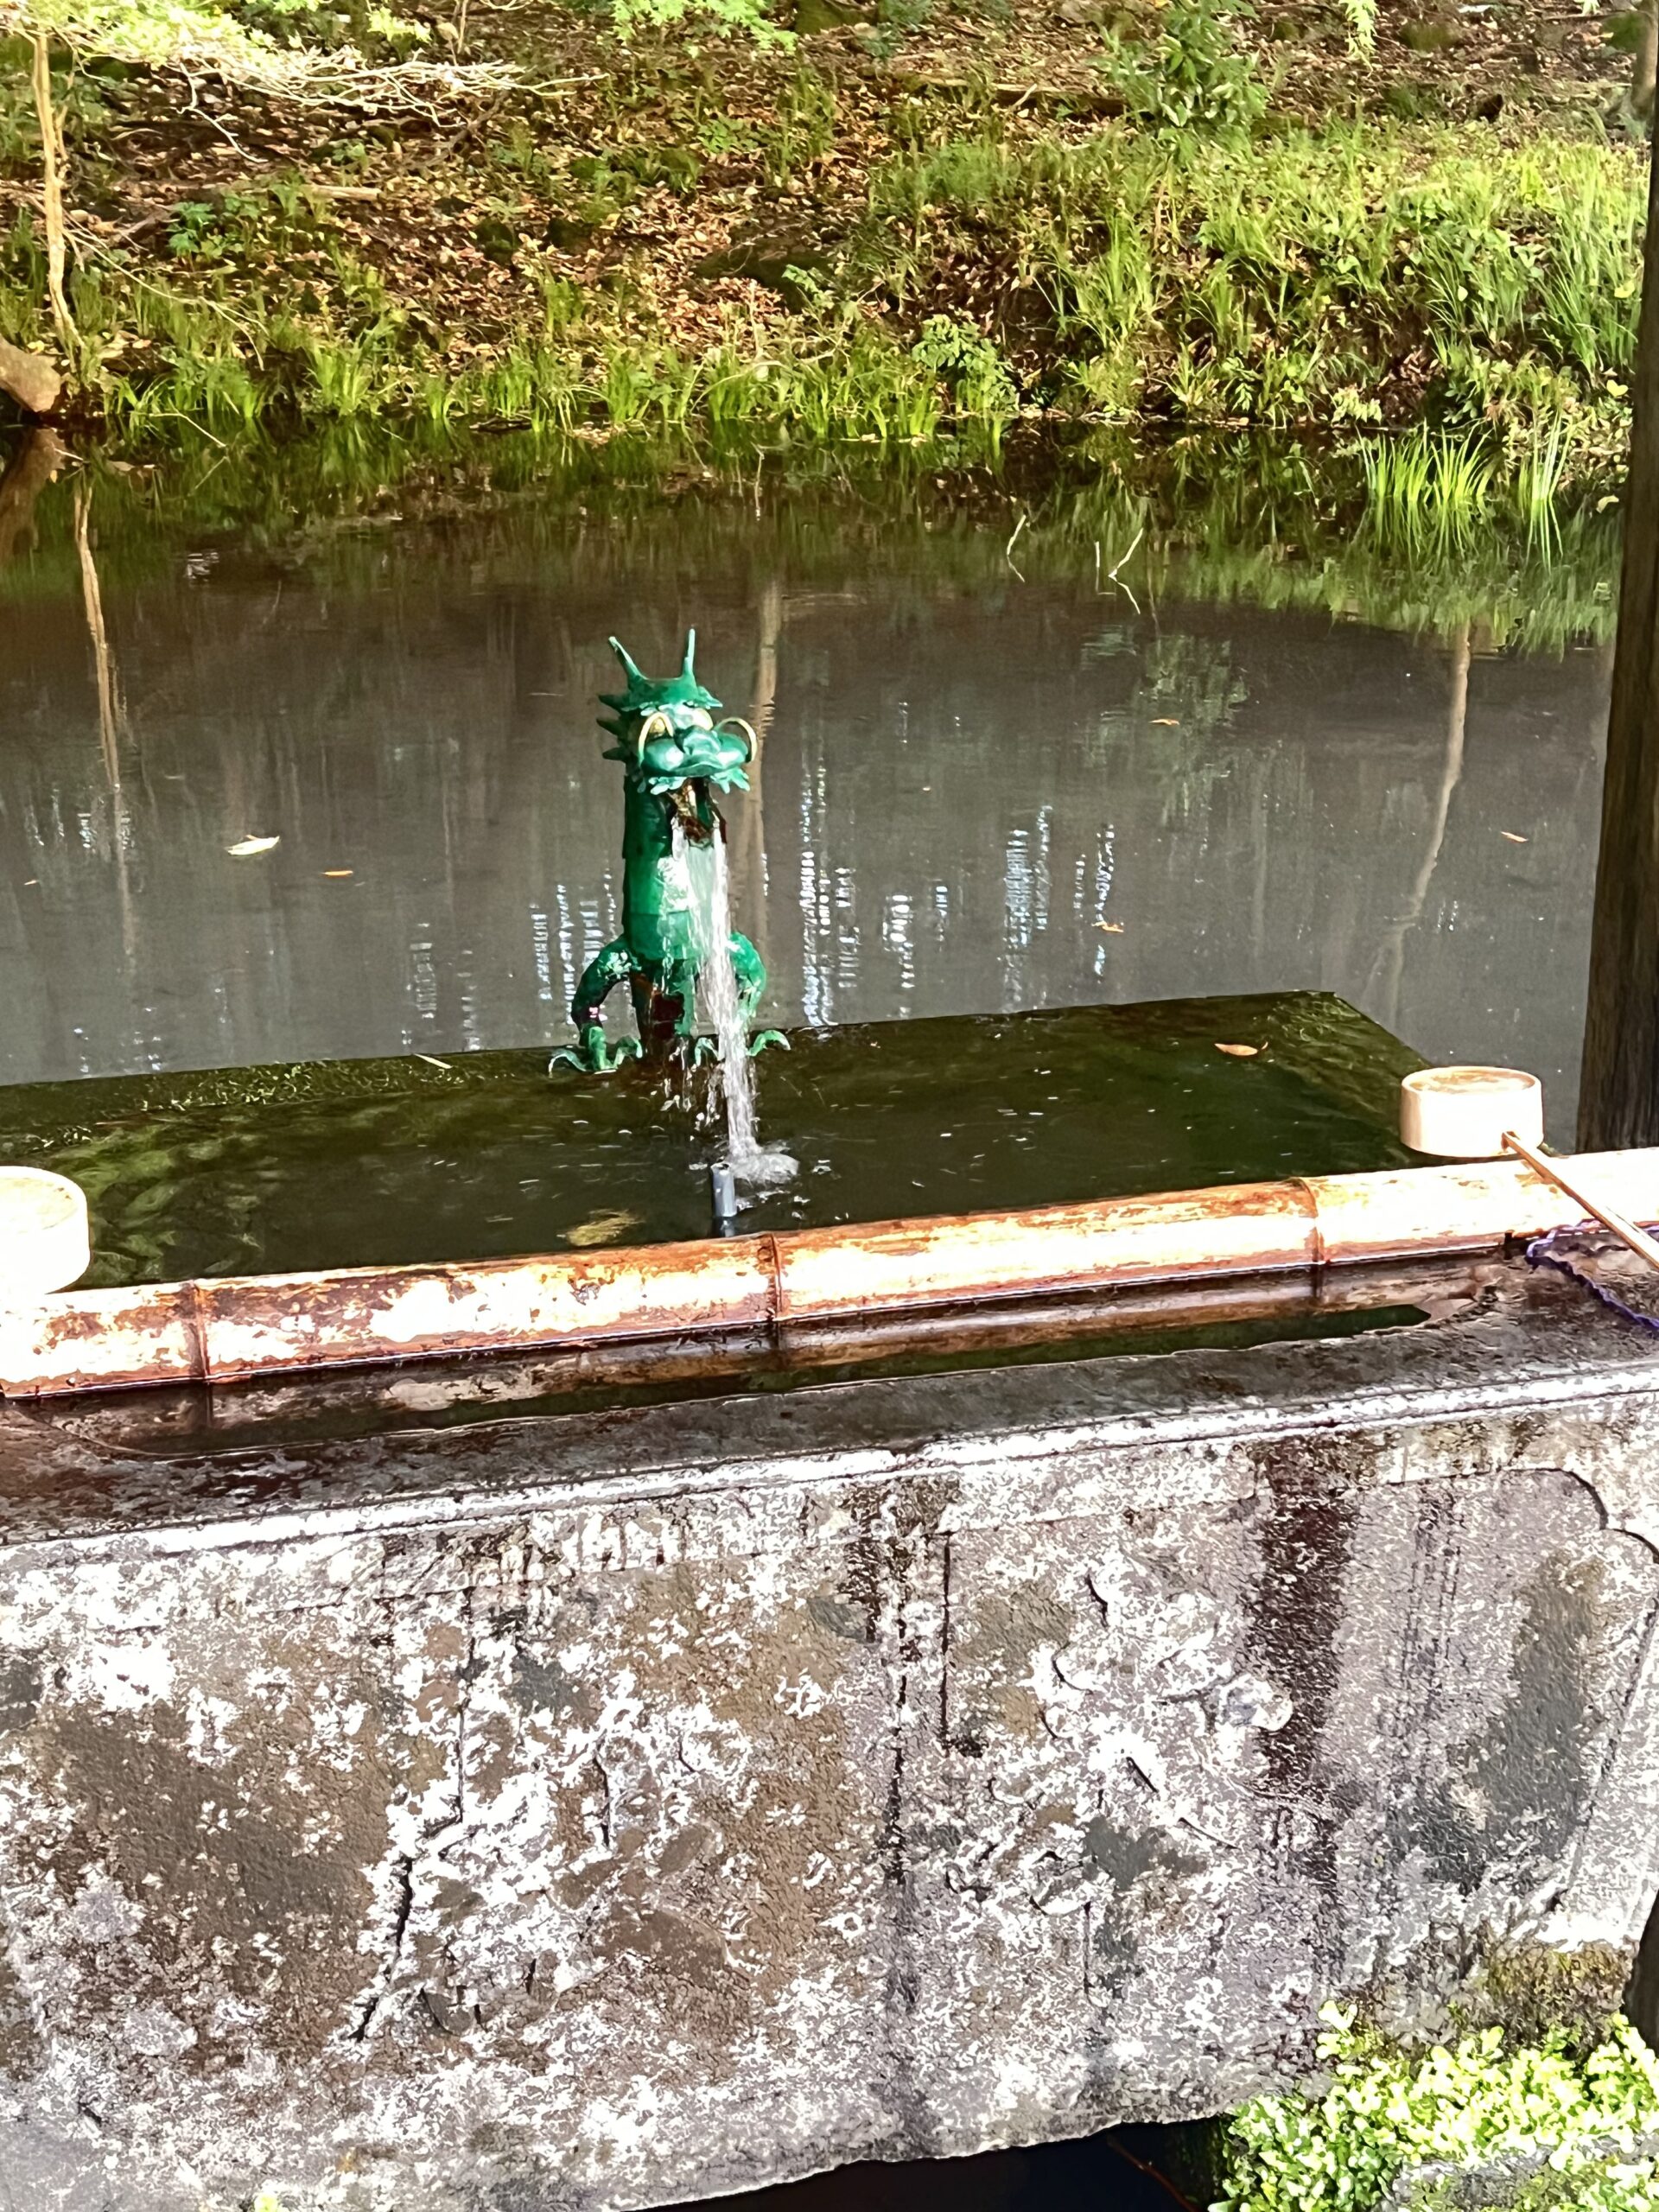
[[760, 249]]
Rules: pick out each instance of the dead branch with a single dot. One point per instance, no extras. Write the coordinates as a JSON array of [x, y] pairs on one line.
[[52, 196]]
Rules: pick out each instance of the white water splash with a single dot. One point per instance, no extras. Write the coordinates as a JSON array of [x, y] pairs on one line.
[[750, 1161]]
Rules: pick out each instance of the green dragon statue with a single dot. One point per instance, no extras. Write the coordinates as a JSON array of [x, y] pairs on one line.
[[675, 757]]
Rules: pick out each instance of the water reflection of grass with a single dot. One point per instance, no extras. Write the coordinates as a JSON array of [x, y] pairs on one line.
[[1515, 592], [1187, 689], [1416, 542]]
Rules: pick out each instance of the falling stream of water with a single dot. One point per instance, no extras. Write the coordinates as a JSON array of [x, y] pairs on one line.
[[750, 1160]]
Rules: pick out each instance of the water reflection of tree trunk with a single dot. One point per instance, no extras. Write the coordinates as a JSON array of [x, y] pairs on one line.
[[31, 468], [749, 855], [112, 711], [1389, 968]]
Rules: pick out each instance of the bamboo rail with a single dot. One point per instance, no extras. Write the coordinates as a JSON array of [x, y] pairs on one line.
[[234, 1328]]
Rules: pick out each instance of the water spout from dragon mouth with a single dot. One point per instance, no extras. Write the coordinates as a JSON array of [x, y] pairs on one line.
[[761, 1166]]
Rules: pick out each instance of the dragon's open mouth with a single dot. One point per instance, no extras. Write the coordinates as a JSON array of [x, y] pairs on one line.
[[691, 808], [684, 790], [694, 756]]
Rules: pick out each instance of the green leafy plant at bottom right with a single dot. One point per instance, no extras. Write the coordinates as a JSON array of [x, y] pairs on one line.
[[1396, 2128]]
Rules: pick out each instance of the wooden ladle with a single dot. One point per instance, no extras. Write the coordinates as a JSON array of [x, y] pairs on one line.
[[1482, 1113]]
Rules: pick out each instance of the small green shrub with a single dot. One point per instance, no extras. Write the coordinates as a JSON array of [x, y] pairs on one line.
[[1388, 2111], [1195, 78], [746, 18], [1360, 17], [970, 364], [193, 235], [1624, 31]]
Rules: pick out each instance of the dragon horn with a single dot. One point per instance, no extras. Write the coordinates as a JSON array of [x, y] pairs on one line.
[[687, 668], [630, 666]]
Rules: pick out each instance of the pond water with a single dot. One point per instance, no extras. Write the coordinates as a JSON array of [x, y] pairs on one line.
[[994, 777]]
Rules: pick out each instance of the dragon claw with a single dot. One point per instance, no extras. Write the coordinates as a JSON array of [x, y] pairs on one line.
[[708, 1048], [594, 1054]]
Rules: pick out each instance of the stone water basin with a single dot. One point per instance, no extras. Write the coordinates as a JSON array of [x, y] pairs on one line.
[[401, 1162]]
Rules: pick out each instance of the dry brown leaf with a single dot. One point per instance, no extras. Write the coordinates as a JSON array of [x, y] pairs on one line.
[[602, 1228]]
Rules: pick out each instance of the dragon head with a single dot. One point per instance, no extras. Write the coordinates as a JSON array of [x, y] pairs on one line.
[[668, 736]]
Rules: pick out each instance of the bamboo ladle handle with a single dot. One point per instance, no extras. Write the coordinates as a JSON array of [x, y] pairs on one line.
[[1638, 1240]]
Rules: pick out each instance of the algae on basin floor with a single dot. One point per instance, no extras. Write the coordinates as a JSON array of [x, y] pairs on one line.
[[276, 1170]]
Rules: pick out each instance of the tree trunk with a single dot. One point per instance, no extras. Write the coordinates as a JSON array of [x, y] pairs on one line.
[[1618, 1101], [52, 198], [1645, 59]]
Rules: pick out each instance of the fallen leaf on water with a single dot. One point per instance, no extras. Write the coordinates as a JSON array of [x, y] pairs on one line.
[[1239, 1052], [602, 1228], [1514, 836], [248, 846], [1164, 721], [1112, 929]]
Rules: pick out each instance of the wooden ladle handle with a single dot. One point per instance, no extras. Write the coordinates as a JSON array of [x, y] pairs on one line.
[[1626, 1231]]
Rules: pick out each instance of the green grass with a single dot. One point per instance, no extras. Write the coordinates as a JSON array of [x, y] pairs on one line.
[[1361, 273], [1429, 487], [1370, 274]]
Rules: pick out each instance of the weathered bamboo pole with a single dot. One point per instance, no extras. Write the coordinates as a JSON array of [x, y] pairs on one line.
[[222, 1330]]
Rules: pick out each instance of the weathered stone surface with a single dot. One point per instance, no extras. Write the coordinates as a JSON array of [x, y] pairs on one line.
[[619, 1809]]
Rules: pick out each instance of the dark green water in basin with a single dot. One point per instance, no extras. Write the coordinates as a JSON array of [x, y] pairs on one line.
[[399, 1161]]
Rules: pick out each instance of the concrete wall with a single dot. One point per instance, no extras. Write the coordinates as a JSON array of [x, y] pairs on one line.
[[624, 1808]]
